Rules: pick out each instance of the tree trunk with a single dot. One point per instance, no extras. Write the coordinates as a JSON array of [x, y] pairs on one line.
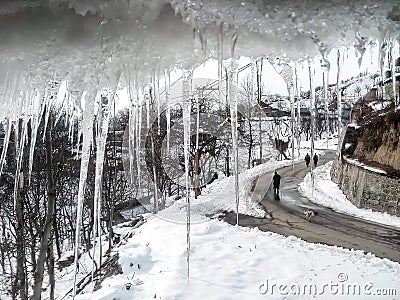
[[50, 266], [20, 242], [44, 242], [3, 247], [56, 232]]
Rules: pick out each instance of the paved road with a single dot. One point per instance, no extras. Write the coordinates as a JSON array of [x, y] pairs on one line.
[[328, 227]]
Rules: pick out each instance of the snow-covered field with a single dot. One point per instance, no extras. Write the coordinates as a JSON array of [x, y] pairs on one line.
[[327, 193], [229, 262]]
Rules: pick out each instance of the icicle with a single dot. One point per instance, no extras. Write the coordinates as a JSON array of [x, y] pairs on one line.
[[393, 71], [49, 99], [382, 56], [168, 111], [62, 95], [138, 136], [20, 143], [186, 110], [298, 96], [233, 112], [148, 108], [35, 122], [131, 128], [87, 127], [339, 96], [259, 67], [197, 158], [360, 47], [5, 144], [325, 69], [253, 79], [286, 71], [220, 46], [203, 42], [312, 110], [103, 121], [291, 91], [131, 137], [153, 154], [158, 100], [253, 85]]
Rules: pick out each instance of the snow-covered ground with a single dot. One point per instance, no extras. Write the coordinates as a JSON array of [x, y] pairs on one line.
[[228, 262], [328, 193]]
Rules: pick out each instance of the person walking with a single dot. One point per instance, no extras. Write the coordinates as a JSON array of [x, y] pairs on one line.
[[307, 159], [277, 182], [315, 158]]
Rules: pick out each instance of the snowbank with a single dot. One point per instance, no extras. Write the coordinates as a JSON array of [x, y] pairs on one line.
[[327, 193]]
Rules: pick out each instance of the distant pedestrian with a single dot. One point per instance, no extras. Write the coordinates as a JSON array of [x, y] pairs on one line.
[[315, 158], [307, 159], [277, 182]]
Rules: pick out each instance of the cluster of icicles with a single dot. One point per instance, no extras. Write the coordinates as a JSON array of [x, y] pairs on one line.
[[86, 108]]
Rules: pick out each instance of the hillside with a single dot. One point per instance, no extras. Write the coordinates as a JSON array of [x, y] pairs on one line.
[[375, 138]]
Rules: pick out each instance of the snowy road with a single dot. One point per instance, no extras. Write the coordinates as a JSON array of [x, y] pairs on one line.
[[328, 227]]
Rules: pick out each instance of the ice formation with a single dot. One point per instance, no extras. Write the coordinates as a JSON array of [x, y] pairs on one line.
[[83, 44], [72, 40]]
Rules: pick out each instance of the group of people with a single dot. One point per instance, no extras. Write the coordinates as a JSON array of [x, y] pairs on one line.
[[308, 159], [277, 178]]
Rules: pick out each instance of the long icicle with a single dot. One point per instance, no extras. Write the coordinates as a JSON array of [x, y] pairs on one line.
[[35, 121], [87, 128], [233, 111], [311, 70], [20, 141], [382, 56], [5, 144], [339, 96], [393, 71], [298, 117], [103, 122], [325, 74], [186, 107], [291, 89], [102, 131], [167, 79], [220, 46], [153, 155], [197, 158], [138, 136]]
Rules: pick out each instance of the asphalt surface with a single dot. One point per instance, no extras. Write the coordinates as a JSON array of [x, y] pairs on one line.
[[286, 217]]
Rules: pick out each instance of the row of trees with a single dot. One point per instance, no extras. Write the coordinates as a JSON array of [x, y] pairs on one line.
[[38, 221]]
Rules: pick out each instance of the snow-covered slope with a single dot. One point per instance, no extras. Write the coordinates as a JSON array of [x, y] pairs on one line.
[[239, 263]]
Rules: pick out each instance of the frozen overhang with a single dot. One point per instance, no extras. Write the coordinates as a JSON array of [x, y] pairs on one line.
[[88, 42]]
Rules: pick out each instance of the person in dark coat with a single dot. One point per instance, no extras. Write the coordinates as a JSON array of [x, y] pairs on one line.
[[277, 182], [307, 159], [315, 158]]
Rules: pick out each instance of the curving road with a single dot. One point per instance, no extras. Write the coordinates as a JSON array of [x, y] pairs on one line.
[[327, 227]]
